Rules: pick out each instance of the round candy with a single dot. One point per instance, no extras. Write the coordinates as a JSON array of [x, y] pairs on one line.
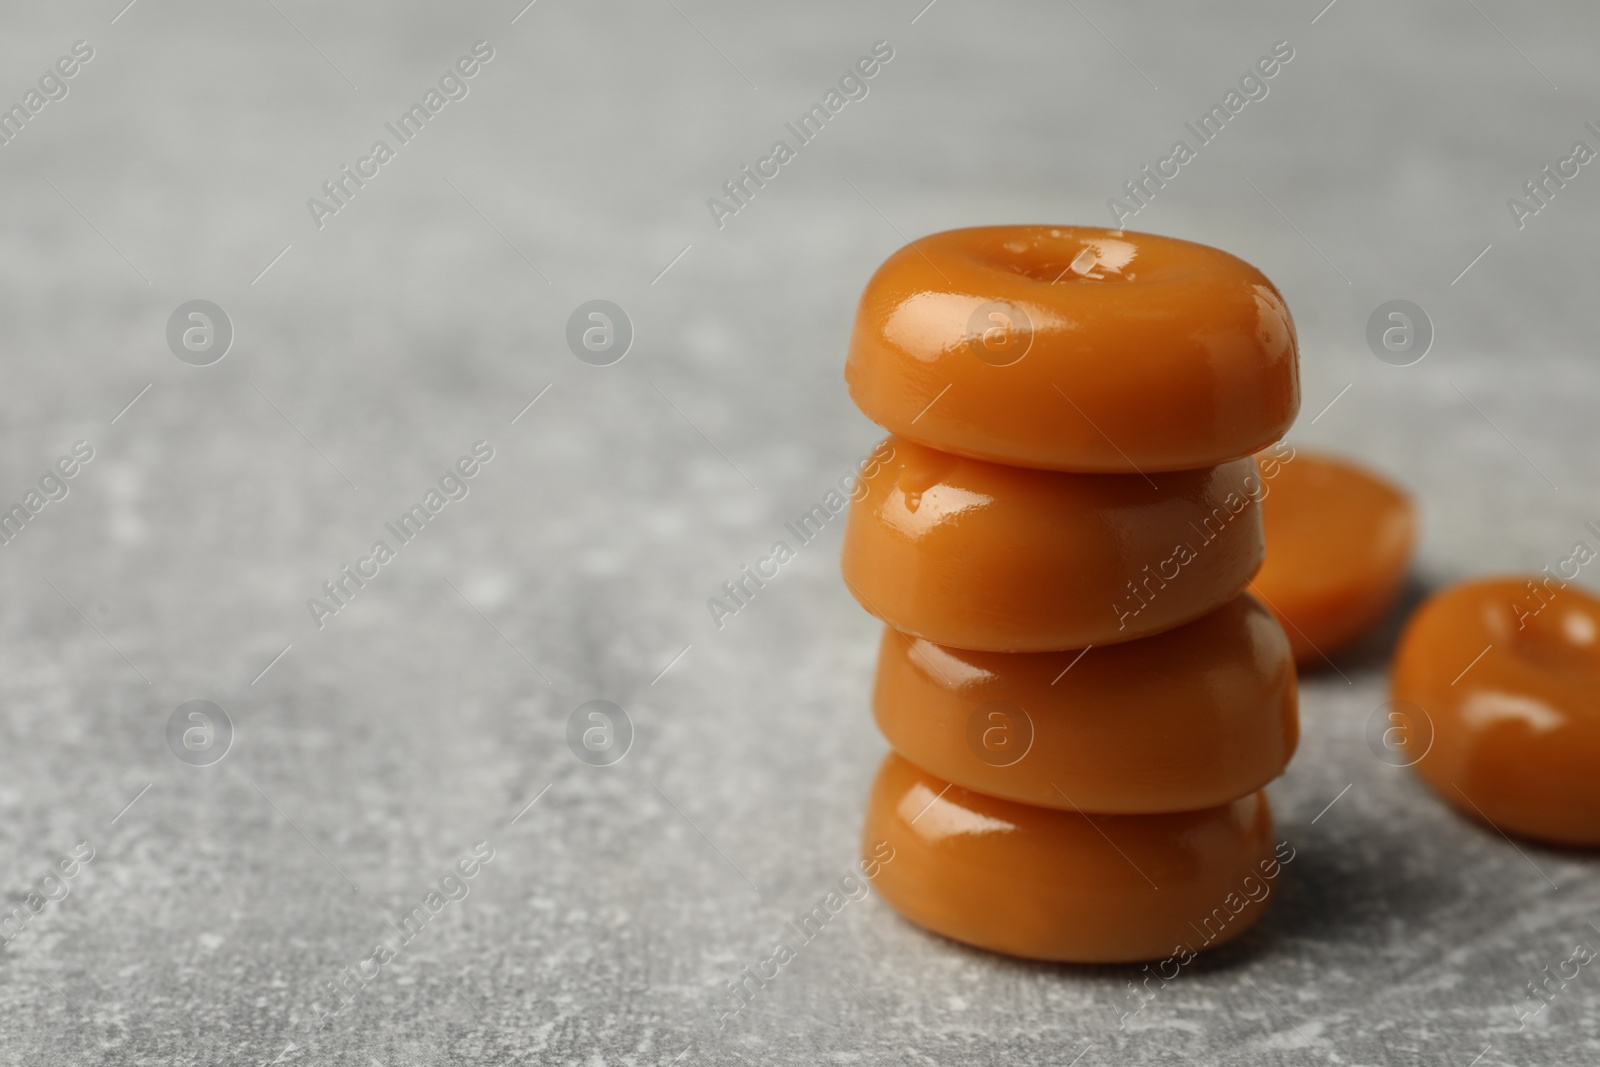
[[1339, 541], [1057, 885], [1075, 349], [1187, 719], [1004, 559], [1496, 687]]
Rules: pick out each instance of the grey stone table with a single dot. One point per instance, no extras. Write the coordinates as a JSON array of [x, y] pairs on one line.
[[377, 338]]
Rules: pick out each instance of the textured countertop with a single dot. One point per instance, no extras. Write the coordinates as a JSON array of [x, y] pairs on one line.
[[375, 345]]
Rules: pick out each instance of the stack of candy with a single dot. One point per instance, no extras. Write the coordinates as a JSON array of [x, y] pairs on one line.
[[1083, 702]]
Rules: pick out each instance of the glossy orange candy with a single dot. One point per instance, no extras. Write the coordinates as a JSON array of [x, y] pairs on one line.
[[983, 556], [1339, 541], [1189, 718], [1075, 349], [1497, 684], [1058, 885]]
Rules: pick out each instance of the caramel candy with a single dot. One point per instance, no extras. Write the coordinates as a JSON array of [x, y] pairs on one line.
[[1339, 542], [1057, 885], [1189, 718], [1495, 684], [983, 556], [1075, 348]]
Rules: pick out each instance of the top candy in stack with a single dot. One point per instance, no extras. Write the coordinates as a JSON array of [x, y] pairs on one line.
[[1075, 349]]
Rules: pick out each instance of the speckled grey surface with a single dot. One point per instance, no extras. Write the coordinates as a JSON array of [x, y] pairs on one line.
[[431, 309]]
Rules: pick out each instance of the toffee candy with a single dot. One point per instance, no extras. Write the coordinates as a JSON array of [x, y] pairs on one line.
[[1057, 885], [1189, 718], [983, 556], [1339, 542], [1496, 684], [1075, 349]]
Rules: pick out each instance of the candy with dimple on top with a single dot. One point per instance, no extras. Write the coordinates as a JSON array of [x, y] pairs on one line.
[[1075, 349], [1190, 718], [1059, 885], [1495, 685], [984, 556], [1339, 542]]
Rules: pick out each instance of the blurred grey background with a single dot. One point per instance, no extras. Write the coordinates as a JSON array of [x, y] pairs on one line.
[[371, 353]]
